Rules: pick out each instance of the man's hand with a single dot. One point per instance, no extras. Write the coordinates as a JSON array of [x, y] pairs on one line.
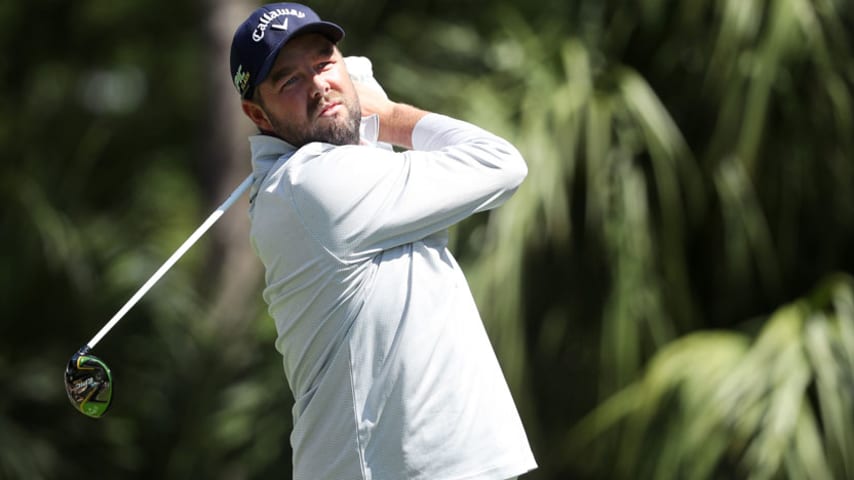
[[396, 119], [373, 101]]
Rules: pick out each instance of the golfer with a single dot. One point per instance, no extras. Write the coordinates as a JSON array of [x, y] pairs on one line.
[[392, 372]]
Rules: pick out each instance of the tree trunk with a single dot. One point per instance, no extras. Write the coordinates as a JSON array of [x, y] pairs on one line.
[[235, 271]]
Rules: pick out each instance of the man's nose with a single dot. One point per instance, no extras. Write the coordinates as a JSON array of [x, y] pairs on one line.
[[319, 84]]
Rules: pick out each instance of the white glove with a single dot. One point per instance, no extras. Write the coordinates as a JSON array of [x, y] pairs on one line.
[[362, 71]]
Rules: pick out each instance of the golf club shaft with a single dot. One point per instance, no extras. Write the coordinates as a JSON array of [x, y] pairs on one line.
[[172, 260]]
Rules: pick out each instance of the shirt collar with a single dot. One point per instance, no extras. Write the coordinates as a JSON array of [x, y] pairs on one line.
[[266, 151]]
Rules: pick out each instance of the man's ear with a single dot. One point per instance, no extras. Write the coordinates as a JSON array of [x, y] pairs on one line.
[[257, 115]]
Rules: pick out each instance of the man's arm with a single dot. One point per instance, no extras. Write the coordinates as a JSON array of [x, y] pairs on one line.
[[397, 120], [357, 200]]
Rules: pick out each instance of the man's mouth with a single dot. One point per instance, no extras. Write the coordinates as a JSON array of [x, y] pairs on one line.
[[328, 109]]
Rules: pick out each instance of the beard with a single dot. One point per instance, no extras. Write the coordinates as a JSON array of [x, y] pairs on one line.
[[343, 131]]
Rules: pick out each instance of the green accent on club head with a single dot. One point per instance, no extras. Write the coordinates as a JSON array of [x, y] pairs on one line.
[[89, 384]]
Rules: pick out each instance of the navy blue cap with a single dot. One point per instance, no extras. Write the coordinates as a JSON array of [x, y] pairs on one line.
[[259, 38]]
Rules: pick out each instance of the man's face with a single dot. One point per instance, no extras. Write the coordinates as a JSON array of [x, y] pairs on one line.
[[308, 95]]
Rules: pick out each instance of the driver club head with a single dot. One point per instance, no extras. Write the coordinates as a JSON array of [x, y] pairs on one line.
[[89, 383]]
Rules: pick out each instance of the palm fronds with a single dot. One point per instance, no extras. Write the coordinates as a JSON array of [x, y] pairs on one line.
[[719, 404]]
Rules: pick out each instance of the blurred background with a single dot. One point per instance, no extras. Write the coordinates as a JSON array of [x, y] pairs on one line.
[[669, 292]]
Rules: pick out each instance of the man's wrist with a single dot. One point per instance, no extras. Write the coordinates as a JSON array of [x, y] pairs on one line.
[[396, 127]]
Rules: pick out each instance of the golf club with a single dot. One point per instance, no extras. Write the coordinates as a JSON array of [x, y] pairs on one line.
[[88, 380]]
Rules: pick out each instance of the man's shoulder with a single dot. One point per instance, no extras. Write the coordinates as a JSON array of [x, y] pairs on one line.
[[321, 156], [336, 174]]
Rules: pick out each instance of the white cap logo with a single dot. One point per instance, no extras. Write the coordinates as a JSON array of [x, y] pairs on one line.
[[264, 21], [282, 26]]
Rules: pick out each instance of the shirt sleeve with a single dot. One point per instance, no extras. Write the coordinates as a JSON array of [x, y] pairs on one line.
[[358, 200]]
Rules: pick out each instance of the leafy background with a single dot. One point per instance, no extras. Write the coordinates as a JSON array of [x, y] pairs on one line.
[[669, 293]]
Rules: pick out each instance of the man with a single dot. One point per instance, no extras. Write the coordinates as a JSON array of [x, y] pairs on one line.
[[392, 373]]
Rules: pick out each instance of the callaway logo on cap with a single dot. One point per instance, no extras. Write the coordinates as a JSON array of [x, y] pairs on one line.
[[259, 38]]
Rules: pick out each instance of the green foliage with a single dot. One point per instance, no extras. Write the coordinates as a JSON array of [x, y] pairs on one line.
[[717, 405], [689, 172]]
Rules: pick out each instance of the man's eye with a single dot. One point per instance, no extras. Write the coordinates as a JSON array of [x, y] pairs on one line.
[[289, 81]]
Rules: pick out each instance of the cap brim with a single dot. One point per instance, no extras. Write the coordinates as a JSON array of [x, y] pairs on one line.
[[328, 29]]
